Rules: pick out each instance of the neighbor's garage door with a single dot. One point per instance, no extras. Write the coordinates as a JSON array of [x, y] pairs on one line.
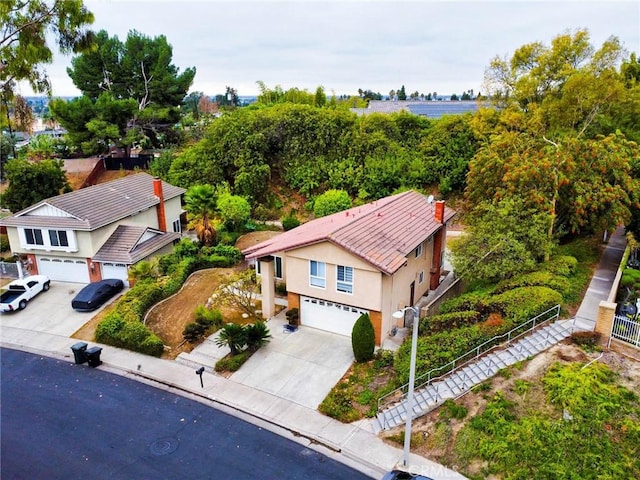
[[64, 269], [115, 270], [330, 316]]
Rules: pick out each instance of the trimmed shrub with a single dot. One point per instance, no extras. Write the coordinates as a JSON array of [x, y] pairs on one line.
[[564, 265], [475, 301], [363, 338], [437, 350], [331, 201], [208, 317], [290, 222], [448, 321], [521, 304], [193, 332], [557, 282], [231, 363]]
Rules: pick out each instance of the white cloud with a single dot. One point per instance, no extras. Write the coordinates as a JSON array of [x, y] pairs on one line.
[[345, 45]]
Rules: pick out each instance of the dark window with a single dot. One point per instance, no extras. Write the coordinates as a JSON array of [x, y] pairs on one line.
[[58, 238], [33, 236]]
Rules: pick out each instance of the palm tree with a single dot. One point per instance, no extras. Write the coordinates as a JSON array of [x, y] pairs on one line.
[[200, 203], [257, 335], [233, 336]]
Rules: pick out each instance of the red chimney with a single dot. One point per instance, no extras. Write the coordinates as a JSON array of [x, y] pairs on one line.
[[157, 191], [440, 211]]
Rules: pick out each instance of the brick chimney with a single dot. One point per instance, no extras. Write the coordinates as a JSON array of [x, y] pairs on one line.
[[157, 191], [440, 211]]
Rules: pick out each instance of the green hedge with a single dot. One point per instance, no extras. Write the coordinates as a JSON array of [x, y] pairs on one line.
[[466, 302], [437, 350], [448, 321], [556, 282], [232, 363], [521, 304]]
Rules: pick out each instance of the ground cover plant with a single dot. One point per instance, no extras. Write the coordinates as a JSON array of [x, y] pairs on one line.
[[482, 312], [559, 415]]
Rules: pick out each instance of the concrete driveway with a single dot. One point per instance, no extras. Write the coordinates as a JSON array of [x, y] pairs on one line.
[[50, 312], [301, 367]]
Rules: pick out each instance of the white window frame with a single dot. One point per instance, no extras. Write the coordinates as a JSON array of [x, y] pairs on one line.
[[319, 279], [47, 244], [344, 284], [34, 236], [56, 234], [177, 227], [418, 251]]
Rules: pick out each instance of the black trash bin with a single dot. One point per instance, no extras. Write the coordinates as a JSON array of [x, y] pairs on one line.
[[79, 352], [93, 356]]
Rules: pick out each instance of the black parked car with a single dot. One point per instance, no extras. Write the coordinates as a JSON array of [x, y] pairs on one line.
[[95, 294]]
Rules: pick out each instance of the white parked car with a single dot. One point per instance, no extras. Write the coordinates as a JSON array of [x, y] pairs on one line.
[[16, 294]]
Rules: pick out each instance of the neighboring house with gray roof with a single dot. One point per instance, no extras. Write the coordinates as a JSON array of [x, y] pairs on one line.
[[375, 259], [99, 231]]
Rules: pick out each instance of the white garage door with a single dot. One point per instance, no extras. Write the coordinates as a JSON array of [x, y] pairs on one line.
[[115, 270], [64, 269], [330, 316]]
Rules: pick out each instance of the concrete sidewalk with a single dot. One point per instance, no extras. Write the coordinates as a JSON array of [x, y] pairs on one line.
[[602, 281], [354, 444]]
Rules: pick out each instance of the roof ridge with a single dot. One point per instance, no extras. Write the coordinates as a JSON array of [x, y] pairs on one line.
[[392, 199]]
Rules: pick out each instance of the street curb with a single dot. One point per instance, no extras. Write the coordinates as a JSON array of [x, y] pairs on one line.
[[356, 462]]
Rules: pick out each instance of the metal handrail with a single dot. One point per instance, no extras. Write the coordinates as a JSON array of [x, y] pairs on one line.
[[495, 342]]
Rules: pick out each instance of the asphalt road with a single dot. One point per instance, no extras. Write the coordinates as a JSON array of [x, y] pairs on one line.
[[66, 421]]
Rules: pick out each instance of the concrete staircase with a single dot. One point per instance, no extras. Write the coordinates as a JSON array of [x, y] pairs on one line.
[[459, 381], [204, 355]]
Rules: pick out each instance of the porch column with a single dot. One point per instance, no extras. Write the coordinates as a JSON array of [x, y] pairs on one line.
[[604, 322], [267, 287]]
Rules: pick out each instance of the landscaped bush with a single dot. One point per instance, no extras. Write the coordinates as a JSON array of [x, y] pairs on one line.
[[193, 332], [437, 350], [471, 301], [631, 279], [208, 317], [536, 279], [232, 363], [363, 339], [521, 304], [448, 321], [564, 265], [290, 222], [132, 335], [338, 405]]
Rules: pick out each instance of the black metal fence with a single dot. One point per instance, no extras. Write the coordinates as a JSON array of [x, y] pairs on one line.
[[128, 163]]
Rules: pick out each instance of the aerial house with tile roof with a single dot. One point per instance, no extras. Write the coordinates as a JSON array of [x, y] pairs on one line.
[[375, 259], [99, 231]]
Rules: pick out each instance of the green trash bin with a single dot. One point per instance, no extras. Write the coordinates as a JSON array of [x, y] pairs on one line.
[[79, 352], [93, 356]]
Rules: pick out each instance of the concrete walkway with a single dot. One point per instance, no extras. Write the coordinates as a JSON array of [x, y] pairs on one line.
[[602, 281]]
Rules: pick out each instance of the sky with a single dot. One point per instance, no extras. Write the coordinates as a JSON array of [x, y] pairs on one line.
[[427, 46]]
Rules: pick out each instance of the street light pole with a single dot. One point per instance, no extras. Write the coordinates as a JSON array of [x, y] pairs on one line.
[[412, 378]]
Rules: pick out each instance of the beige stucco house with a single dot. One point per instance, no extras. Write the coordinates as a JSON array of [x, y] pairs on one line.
[[375, 259], [99, 231]]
